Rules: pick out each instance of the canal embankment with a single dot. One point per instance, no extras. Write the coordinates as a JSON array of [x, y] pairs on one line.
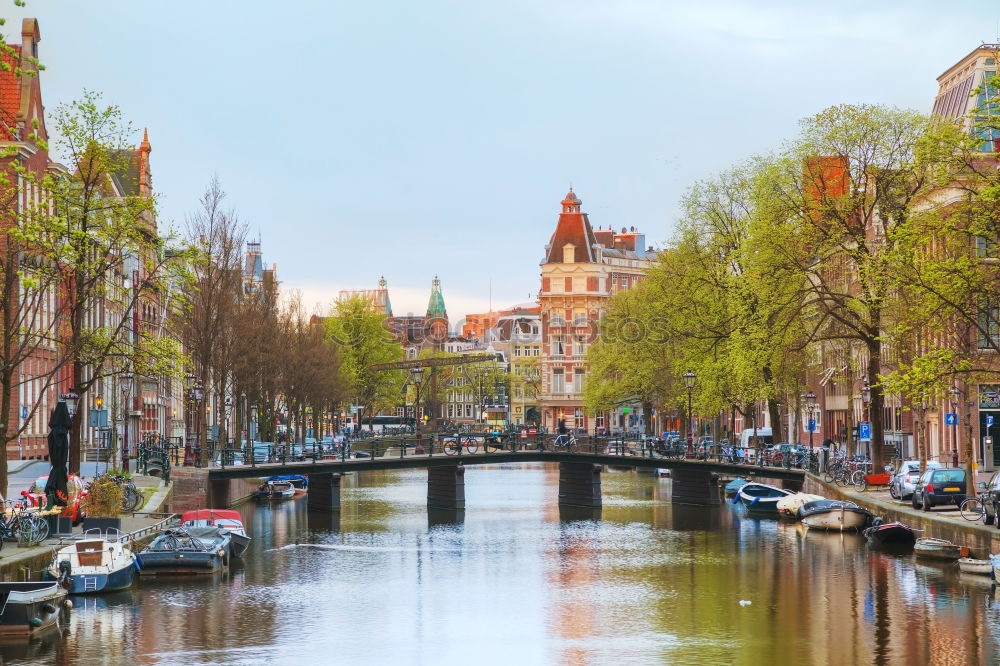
[[29, 563], [942, 522]]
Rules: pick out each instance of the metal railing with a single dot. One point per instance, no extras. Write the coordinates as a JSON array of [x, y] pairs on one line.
[[487, 443]]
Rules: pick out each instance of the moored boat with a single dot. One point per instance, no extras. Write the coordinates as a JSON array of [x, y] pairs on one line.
[[661, 472], [186, 550], [276, 490], [789, 506], [939, 549], [890, 533], [734, 486], [29, 608], [97, 563], [229, 520], [761, 497], [973, 566], [300, 482], [834, 515]]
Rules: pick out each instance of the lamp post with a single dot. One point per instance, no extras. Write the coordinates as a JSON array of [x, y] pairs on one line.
[[689, 378], [126, 380], [954, 426], [811, 404], [866, 396], [418, 377]]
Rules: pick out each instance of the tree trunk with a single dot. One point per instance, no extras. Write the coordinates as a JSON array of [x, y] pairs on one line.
[[876, 407], [921, 434], [647, 411], [774, 411], [967, 449]]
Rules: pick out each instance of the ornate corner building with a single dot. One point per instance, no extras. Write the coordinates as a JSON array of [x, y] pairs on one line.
[[582, 269]]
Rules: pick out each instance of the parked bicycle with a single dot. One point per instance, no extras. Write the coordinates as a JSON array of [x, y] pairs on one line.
[[454, 446], [972, 509], [27, 527]]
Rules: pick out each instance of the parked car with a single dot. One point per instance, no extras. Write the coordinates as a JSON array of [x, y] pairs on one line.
[[905, 478], [75, 509], [939, 486]]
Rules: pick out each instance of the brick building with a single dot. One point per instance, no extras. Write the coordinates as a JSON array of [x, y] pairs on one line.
[[581, 270]]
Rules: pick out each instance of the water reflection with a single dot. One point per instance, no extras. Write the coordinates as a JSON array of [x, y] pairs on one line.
[[517, 579]]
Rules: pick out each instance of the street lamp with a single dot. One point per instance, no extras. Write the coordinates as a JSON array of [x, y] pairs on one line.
[[811, 404], [954, 426], [689, 378], [126, 381], [72, 399], [418, 376]]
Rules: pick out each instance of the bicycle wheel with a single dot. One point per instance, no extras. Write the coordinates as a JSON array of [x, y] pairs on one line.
[[450, 449], [131, 499], [859, 481], [472, 447], [972, 509]]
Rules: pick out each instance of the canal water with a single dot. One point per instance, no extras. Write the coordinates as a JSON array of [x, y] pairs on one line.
[[518, 581]]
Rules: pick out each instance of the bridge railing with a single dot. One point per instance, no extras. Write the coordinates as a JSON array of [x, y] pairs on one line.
[[459, 444]]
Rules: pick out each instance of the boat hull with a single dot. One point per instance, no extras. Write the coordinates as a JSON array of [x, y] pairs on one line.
[[890, 533], [112, 581], [971, 566], [180, 563], [937, 550], [29, 608], [238, 544], [836, 520]]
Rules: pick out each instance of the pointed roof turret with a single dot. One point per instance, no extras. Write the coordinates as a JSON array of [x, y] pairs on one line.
[[573, 228], [435, 305]]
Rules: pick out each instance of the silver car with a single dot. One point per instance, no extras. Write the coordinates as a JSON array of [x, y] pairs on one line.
[[906, 477]]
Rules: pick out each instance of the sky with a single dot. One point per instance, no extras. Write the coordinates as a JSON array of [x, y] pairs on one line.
[[413, 139]]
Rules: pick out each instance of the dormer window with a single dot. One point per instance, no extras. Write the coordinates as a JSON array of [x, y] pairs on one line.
[[569, 253]]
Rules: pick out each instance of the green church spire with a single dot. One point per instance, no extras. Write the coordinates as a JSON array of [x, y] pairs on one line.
[[435, 306]]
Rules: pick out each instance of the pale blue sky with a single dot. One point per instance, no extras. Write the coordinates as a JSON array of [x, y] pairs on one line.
[[412, 138]]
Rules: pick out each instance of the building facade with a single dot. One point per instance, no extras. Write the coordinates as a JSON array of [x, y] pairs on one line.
[[582, 269]]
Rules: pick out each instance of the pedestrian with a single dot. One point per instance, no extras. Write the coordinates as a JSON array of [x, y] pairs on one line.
[[954, 458]]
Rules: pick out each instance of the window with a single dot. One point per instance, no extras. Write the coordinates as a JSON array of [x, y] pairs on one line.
[[580, 347], [517, 350], [986, 247], [578, 380], [989, 326], [558, 381], [557, 346]]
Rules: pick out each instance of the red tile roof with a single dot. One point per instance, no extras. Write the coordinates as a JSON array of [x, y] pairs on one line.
[[573, 227], [10, 93]]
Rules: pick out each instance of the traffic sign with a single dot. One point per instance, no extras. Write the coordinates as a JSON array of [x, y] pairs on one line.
[[24, 411], [989, 420], [864, 431], [951, 418], [812, 425]]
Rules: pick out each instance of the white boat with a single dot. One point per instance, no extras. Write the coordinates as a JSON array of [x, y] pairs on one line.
[[980, 567], [97, 563], [789, 506], [761, 497], [939, 549], [833, 515], [662, 471]]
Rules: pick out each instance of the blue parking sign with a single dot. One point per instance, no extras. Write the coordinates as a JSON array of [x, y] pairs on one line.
[[24, 411], [989, 420], [864, 431]]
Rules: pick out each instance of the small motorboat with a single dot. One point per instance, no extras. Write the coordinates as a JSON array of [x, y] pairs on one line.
[[761, 497], [973, 566], [882, 534], [789, 506], [834, 515], [226, 519], [939, 549], [300, 483], [186, 550], [27, 609], [661, 472], [734, 486], [97, 563], [276, 490]]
